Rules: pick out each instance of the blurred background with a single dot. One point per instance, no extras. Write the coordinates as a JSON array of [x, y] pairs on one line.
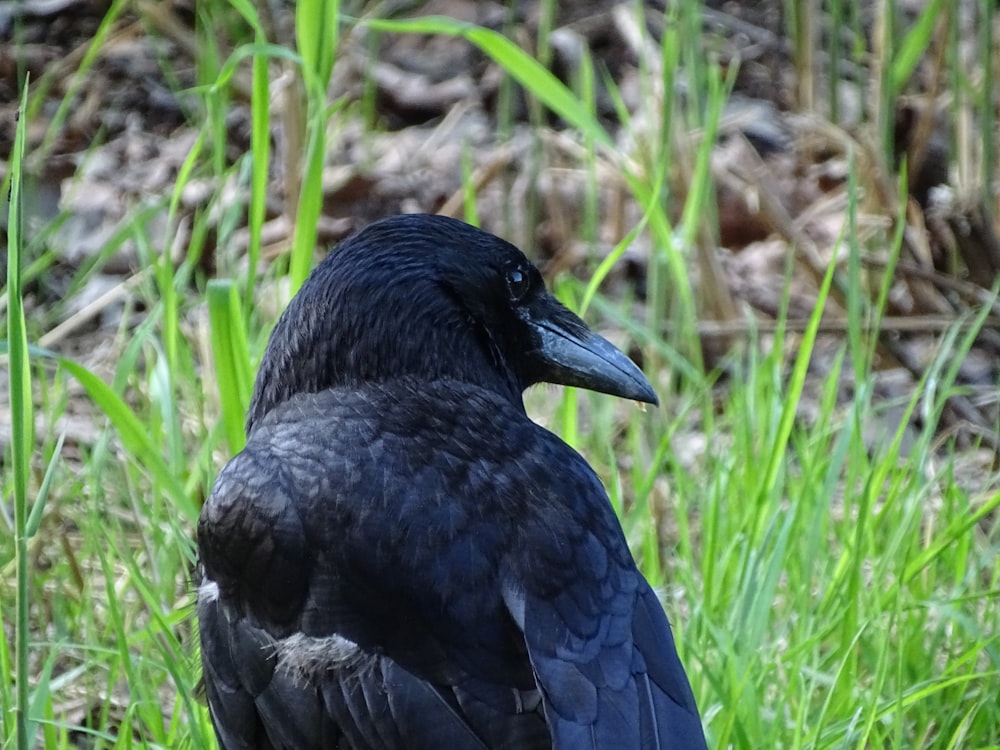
[[786, 212]]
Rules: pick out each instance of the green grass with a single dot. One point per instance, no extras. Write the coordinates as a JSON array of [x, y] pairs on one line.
[[21, 439], [826, 591]]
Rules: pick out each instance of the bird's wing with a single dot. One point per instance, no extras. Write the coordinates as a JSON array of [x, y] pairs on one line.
[[349, 597], [269, 686], [259, 700], [597, 637]]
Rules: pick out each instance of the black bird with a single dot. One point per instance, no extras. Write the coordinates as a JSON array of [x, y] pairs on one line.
[[400, 557]]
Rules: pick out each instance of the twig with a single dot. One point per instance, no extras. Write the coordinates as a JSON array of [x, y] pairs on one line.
[[897, 324], [91, 310]]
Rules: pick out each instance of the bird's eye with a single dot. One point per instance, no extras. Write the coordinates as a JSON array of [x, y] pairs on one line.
[[517, 284]]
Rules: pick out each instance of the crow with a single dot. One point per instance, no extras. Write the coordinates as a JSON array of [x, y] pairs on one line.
[[400, 558]]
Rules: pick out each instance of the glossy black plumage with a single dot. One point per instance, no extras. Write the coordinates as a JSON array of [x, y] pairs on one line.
[[400, 558]]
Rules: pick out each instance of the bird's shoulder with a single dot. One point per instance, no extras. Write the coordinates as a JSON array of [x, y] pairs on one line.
[[400, 436], [411, 414]]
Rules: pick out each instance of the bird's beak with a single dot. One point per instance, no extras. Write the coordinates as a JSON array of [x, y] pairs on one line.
[[569, 353]]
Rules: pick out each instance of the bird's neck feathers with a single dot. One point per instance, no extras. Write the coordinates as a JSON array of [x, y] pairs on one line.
[[371, 333]]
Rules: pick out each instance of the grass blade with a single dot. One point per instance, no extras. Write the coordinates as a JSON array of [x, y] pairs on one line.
[[521, 66], [43, 491], [915, 44], [133, 434], [232, 359], [22, 419]]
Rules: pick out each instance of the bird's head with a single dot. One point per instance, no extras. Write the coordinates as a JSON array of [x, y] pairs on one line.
[[429, 296]]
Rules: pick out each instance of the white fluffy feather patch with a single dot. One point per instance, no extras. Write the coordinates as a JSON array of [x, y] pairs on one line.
[[303, 656], [309, 657], [208, 591]]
